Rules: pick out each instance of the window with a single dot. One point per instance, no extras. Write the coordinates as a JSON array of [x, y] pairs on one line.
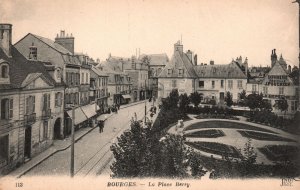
[[213, 84], [33, 52], [45, 130], [240, 84], [253, 88], [30, 105], [133, 65], [281, 90], [201, 84], [46, 102], [173, 83], [4, 71], [169, 71], [82, 78], [6, 108], [87, 78], [230, 84], [180, 71], [67, 98], [265, 90], [58, 99], [58, 74], [293, 105], [222, 83]]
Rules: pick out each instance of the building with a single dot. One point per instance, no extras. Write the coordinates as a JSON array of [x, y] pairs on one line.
[[157, 62], [211, 81], [119, 85], [279, 83], [98, 88], [138, 72], [31, 111], [178, 74]]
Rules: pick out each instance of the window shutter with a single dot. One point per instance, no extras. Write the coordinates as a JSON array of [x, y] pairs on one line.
[[27, 105], [11, 107], [33, 104], [48, 101]]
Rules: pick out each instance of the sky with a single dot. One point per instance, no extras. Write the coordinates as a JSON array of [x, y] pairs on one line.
[[218, 30]]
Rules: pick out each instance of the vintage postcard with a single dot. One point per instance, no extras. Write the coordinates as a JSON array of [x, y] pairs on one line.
[[149, 94]]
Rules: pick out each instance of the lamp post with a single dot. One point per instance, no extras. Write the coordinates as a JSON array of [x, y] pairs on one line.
[[72, 142], [298, 1], [145, 102]]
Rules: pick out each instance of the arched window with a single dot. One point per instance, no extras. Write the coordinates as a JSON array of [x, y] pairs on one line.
[[4, 71]]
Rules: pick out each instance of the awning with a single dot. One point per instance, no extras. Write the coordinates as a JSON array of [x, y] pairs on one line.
[[79, 116], [126, 96], [90, 110]]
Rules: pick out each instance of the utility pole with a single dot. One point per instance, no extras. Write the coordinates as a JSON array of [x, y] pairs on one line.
[[72, 142], [298, 1]]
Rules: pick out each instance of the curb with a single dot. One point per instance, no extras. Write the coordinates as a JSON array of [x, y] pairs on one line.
[[76, 140]]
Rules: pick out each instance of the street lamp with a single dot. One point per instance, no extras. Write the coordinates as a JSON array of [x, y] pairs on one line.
[[72, 142]]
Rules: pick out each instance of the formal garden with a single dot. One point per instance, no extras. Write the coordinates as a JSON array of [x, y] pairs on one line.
[[214, 141]]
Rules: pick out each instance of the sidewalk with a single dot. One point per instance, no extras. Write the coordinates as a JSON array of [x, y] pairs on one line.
[[60, 145]]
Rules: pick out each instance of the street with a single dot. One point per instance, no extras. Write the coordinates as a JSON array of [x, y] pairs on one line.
[[92, 152]]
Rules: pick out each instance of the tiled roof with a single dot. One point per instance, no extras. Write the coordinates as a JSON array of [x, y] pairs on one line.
[[52, 44], [98, 71], [20, 68], [230, 70], [179, 61], [156, 59]]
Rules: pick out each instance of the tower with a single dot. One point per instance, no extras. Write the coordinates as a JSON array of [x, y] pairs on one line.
[[5, 38]]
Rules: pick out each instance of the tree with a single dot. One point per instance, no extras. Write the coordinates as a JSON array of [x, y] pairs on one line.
[[195, 98], [183, 102], [243, 95], [141, 152], [249, 155], [281, 104], [254, 101], [171, 101], [228, 99]]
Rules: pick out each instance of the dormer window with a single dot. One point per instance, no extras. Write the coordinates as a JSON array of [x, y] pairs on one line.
[[4, 71], [180, 71], [33, 52]]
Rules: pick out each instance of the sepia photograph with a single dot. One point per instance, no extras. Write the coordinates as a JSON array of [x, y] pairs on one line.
[[149, 94]]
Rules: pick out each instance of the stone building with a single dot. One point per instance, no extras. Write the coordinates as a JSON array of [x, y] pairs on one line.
[[31, 111], [157, 62]]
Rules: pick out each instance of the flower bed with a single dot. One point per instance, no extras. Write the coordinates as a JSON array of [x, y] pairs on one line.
[[211, 133], [222, 124], [263, 136], [281, 152], [216, 148]]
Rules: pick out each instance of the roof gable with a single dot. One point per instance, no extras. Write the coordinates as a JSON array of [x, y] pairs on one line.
[[36, 80]]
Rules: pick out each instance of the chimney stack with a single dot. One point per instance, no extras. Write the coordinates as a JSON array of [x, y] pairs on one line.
[[66, 41], [211, 62], [195, 59], [189, 54], [6, 38]]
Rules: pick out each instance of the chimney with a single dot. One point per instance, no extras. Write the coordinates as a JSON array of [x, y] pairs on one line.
[[66, 41], [195, 59], [289, 69], [6, 38], [273, 57], [211, 62], [189, 54], [246, 66]]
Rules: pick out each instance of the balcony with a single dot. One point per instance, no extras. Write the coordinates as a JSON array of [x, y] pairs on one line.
[[46, 114], [30, 118]]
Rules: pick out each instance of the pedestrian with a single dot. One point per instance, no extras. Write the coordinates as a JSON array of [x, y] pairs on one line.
[[102, 126], [118, 106], [154, 109], [99, 125]]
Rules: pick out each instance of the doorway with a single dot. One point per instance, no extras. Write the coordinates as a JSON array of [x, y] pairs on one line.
[[57, 125], [27, 151]]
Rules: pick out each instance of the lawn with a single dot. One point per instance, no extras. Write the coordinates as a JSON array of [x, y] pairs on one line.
[[263, 136], [281, 152], [216, 148], [225, 124], [210, 133]]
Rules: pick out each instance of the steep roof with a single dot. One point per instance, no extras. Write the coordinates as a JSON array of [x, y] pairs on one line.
[[52, 44], [20, 68], [278, 70], [179, 61], [98, 71], [230, 70], [156, 59]]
